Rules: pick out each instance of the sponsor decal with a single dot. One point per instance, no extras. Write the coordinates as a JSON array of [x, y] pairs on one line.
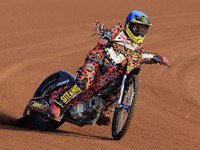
[[143, 19], [147, 56], [122, 38], [70, 93], [40, 106], [126, 42], [115, 56]]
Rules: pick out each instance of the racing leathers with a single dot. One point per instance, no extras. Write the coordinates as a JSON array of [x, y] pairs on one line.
[[99, 61]]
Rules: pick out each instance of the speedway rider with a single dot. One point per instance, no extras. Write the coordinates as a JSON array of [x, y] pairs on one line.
[[98, 62]]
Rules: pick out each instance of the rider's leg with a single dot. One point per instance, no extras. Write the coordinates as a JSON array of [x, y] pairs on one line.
[[85, 81], [86, 75]]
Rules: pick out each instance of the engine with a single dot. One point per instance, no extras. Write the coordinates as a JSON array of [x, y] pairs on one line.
[[86, 111]]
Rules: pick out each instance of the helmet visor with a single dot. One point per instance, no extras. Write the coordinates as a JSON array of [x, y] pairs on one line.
[[139, 29]]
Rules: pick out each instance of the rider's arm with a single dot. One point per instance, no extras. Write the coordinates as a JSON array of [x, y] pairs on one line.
[[153, 58], [140, 48]]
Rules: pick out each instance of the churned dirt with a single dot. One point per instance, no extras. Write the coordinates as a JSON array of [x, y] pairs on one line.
[[38, 38]]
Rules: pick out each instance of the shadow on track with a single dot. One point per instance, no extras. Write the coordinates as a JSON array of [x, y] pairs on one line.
[[80, 135], [7, 120], [11, 123]]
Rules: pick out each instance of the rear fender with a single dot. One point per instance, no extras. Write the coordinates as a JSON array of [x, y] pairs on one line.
[[65, 78]]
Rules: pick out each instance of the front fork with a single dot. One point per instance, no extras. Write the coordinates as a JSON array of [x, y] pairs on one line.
[[121, 92]]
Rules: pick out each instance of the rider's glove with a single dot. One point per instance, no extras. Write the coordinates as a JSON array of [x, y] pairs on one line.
[[103, 43], [164, 59]]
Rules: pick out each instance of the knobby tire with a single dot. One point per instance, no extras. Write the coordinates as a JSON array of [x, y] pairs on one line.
[[117, 135]]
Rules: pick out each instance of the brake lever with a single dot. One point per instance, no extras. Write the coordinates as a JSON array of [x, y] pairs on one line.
[[161, 62]]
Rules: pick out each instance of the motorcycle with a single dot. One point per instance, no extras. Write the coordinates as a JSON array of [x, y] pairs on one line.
[[119, 96]]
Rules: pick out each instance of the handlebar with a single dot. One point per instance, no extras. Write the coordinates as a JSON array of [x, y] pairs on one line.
[[110, 42], [161, 62]]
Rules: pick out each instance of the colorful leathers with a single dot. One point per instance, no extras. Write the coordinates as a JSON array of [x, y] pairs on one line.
[[98, 70]]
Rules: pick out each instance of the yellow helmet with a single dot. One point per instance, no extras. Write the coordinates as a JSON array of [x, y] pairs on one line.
[[137, 25]]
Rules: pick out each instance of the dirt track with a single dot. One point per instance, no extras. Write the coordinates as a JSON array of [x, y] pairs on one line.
[[38, 38]]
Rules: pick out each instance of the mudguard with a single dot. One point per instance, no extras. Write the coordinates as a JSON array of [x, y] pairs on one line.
[[65, 78]]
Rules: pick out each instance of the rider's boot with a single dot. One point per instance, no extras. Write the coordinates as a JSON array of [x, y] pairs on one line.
[[104, 120], [54, 112], [61, 100]]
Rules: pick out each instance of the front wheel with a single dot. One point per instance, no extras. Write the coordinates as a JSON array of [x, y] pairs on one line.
[[123, 113]]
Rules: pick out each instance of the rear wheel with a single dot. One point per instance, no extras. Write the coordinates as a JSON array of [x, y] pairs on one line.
[[123, 113], [39, 122]]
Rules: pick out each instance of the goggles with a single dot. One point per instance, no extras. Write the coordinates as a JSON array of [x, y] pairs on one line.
[[139, 29]]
